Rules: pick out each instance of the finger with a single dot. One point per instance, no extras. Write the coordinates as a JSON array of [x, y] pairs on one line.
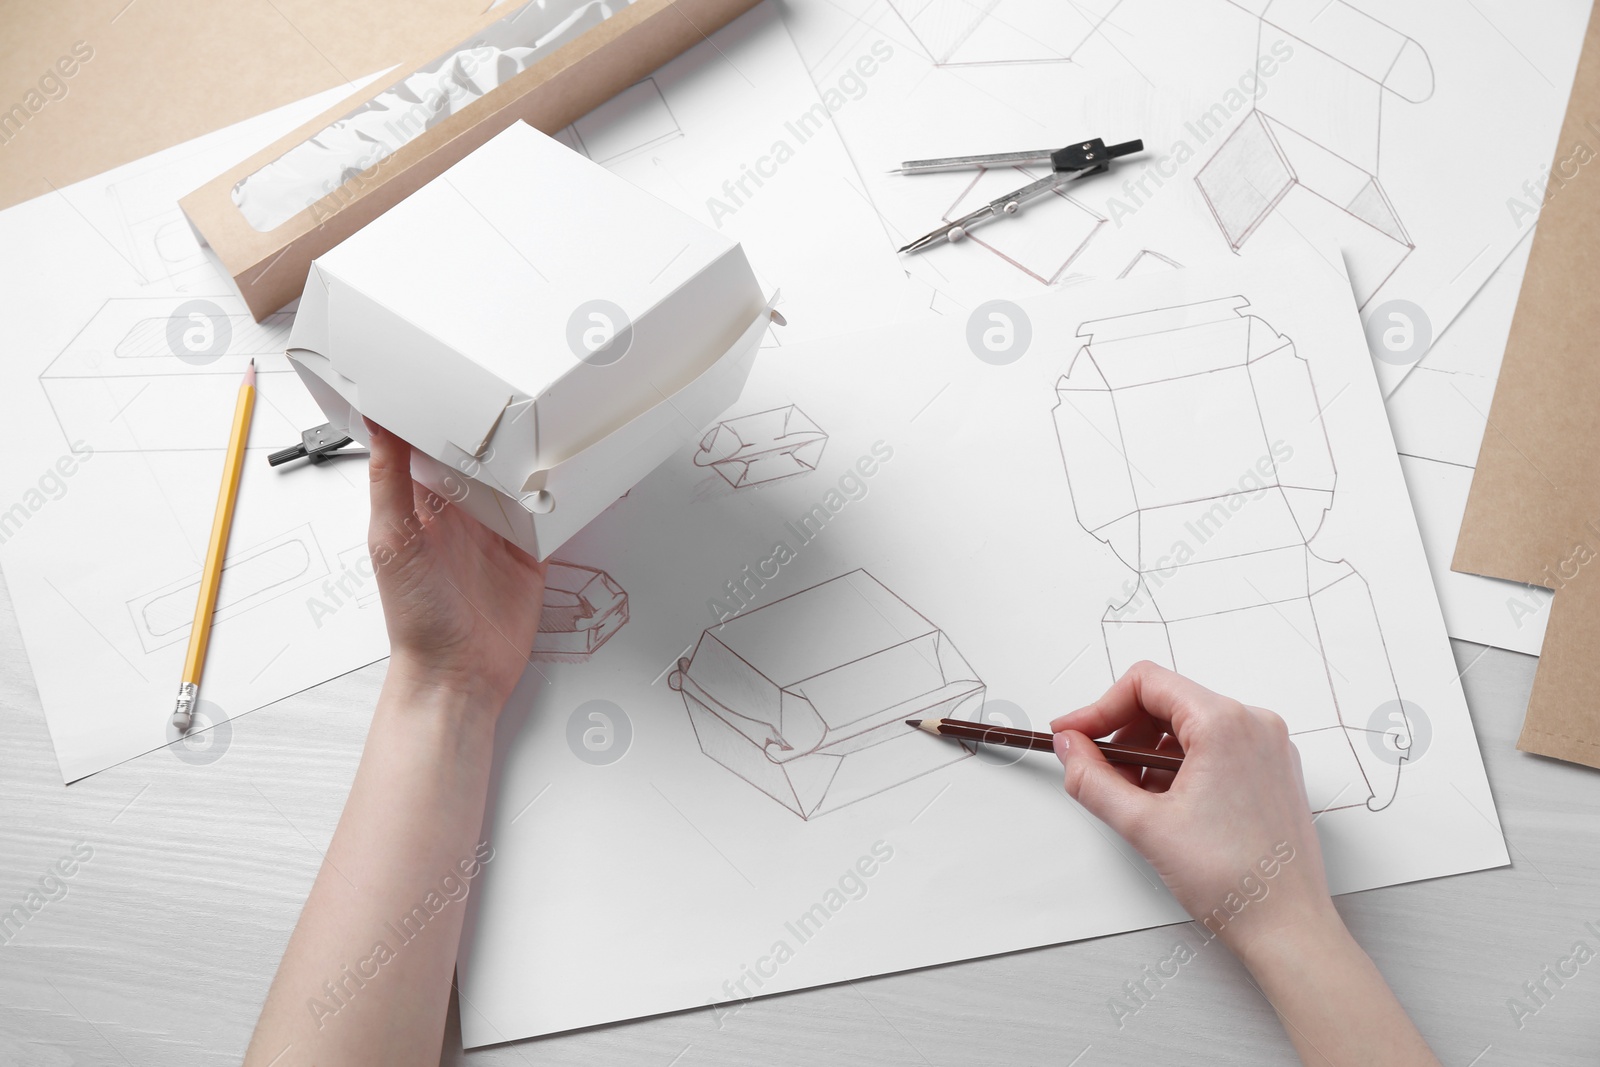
[[389, 470], [1108, 713], [1146, 689], [1144, 732], [1095, 784], [1161, 781]]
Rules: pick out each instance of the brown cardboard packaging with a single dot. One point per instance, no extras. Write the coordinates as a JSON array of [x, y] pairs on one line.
[[270, 267], [1534, 511], [89, 86]]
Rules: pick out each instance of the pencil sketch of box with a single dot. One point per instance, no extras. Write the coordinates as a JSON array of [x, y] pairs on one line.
[[583, 607], [1309, 152], [762, 447], [805, 698], [1229, 480], [256, 574], [118, 381]]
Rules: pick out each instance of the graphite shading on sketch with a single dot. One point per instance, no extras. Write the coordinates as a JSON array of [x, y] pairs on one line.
[[583, 609], [1308, 150], [805, 698], [1195, 448]]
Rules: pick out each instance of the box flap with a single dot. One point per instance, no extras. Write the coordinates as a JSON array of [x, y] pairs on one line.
[[409, 381], [678, 419]]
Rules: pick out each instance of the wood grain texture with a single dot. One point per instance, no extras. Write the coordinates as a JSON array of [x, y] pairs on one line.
[[164, 944]]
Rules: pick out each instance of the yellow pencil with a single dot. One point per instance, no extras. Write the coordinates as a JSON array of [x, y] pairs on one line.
[[211, 576]]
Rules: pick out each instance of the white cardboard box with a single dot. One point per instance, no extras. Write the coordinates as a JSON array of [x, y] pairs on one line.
[[542, 332]]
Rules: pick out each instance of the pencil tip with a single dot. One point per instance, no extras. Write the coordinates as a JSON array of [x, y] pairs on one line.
[[913, 722]]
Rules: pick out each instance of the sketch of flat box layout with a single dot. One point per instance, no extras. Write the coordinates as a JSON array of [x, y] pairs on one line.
[[252, 576], [958, 33], [583, 609], [634, 121], [118, 385], [762, 447], [1055, 230], [1223, 476], [804, 698]]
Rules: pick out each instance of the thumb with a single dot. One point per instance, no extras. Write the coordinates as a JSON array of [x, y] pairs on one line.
[[389, 468], [1098, 786]]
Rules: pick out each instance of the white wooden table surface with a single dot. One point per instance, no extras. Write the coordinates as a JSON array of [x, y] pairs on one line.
[[161, 950]]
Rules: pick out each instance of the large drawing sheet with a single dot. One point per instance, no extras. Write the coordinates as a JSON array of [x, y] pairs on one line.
[[1400, 131], [721, 801], [114, 451], [102, 563]]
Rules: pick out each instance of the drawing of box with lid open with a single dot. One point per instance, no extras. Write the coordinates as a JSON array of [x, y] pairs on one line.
[[543, 333], [805, 698]]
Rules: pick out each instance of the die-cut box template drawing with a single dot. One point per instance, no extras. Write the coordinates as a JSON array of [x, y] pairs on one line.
[[542, 332], [1229, 478], [805, 698]]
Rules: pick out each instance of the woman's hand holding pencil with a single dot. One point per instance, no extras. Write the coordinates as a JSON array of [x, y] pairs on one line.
[[1231, 835], [1239, 796]]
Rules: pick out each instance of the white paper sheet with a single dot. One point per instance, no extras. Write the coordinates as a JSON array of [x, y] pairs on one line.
[[658, 848], [102, 564], [1403, 132], [99, 563], [1440, 413]]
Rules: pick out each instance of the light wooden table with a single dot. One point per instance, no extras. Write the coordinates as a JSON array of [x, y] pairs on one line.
[[162, 948]]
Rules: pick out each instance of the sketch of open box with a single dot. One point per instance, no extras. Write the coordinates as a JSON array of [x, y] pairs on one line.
[[805, 698], [762, 447], [583, 607], [1310, 151], [1265, 166]]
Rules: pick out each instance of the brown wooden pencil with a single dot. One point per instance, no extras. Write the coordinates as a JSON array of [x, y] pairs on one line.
[[1010, 737]]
